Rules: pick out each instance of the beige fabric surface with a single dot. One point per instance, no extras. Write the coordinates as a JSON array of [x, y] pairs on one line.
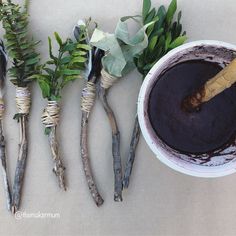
[[159, 201]]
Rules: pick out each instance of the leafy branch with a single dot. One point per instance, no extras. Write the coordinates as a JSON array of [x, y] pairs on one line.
[[20, 48], [63, 68], [163, 36]]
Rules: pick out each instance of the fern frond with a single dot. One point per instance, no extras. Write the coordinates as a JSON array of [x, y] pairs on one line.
[[19, 47]]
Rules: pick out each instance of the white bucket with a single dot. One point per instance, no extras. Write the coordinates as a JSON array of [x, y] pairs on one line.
[[218, 165]]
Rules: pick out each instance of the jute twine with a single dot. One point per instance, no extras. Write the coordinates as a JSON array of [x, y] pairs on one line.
[[50, 116], [88, 97], [2, 108], [107, 80], [23, 100]]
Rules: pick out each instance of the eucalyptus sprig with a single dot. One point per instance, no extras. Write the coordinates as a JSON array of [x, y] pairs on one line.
[[56, 73], [164, 35], [21, 49]]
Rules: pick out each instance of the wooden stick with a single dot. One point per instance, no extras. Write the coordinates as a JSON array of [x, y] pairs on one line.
[[4, 168], [21, 163], [223, 80], [86, 160], [117, 167], [86, 111], [58, 169], [3, 61], [132, 149]]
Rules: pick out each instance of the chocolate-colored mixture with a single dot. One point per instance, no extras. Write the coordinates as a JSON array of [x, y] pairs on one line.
[[199, 132]]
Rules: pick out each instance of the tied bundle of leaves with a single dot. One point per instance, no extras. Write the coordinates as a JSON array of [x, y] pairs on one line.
[[92, 73], [21, 50], [164, 35], [120, 49], [57, 72]]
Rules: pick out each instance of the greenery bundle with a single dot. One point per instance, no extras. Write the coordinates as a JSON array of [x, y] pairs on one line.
[[57, 72], [120, 49], [21, 49], [163, 36]]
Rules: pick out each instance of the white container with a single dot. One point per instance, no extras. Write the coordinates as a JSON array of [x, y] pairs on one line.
[[200, 165]]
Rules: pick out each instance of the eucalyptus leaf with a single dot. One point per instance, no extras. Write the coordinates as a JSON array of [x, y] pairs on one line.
[[120, 47]]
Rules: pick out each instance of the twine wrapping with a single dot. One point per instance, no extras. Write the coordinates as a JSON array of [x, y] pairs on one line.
[[23, 100], [2, 108], [88, 97], [107, 80], [50, 116]]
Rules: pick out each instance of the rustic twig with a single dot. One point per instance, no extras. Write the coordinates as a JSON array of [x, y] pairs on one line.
[[58, 169], [21, 163], [3, 62], [86, 160], [117, 167], [88, 100], [132, 149], [4, 168], [50, 118]]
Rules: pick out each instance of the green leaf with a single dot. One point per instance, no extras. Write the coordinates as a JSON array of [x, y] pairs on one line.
[[83, 46], [161, 13], [47, 130], [153, 43], [68, 47], [150, 16], [177, 42], [179, 17], [49, 71], [65, 60], [78, 60], [79, 53], [32, 61], [45, 88], [50, 48], [58, 38], [70, 72], [171, 11], [146, 8], [69, 78], [17, 117]]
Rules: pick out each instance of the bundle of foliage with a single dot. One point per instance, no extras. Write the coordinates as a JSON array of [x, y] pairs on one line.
[[68, 65], [164, 35]]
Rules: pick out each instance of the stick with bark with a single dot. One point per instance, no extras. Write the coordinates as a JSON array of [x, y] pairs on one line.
[[117, 166], [3, 64], [88, 100], [55, 74], [50, 118], [22, 157], [163, 36], [24, 64], [92, 73], [132, 150]]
